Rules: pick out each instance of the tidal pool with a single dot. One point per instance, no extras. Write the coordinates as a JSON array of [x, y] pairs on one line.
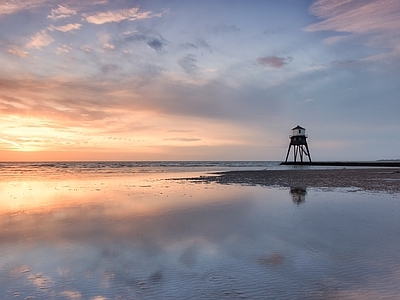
[[144, 237]]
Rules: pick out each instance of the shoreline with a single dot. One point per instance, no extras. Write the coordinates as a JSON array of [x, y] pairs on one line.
[[364, 179], [380, 164]]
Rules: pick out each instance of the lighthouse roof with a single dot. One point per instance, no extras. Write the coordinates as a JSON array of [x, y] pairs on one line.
[[298, 127]]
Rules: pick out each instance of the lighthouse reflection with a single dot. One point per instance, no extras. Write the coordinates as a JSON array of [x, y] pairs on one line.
[[298, 194]]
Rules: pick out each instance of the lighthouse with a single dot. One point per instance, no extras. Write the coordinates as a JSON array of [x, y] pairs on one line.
[[298, 139]]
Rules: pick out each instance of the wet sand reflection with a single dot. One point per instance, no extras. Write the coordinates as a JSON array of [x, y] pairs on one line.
[[142, 237]]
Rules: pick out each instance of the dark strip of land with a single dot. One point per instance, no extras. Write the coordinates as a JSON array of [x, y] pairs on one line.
[[363, 179], [381, 164]]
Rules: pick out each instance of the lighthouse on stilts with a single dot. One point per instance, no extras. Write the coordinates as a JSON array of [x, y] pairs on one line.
[[298, 139]]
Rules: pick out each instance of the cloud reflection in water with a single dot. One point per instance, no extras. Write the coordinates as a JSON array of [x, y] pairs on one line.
[[134, 237]]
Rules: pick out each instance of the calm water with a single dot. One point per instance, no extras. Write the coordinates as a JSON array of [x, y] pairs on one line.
[[125, 231]]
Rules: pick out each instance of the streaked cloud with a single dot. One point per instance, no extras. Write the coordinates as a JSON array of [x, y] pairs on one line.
[[344, 63], [10, 7], [188, 64], [181, 139], [222, 29], [64, 49], [18, 52], [369, 16], [65, 28], [12, 143], [378, 21]]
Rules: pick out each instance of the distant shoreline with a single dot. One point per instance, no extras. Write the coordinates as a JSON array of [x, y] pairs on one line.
[[363, 179], [381, 163]]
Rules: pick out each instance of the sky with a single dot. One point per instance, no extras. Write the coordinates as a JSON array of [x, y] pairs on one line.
[[198, 80]]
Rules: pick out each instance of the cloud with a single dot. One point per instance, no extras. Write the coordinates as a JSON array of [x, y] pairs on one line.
[[110, 68], [183, 139], [62, 50], [12, 143], [65, 28], [333, 40], [152, 38], [108, 47], [11, 7], [344, 63], [40, 40], [18, 52], [86, 48], [130, 14], [274, 61], [199, 44], [188, 64], [61, 12], [377, 20], [369, 16], [104, 40], [221, 29]]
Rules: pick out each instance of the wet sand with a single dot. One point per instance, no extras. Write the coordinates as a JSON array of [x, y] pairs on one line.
[[363, 179], [120, 235]]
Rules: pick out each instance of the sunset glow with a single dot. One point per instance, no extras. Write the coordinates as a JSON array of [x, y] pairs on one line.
[[187, 80]]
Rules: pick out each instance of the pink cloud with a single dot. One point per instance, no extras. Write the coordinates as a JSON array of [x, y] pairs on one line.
[[356, 16], [274, 61], [41, 39], [10, 7], [117, 16], [65, 28], [378, 20], [18, 52], [61, 12]]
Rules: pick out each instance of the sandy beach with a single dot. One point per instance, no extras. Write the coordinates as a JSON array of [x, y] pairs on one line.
[[364, 179]]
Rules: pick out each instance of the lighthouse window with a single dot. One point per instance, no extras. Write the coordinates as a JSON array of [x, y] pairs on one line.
[[299, 130]]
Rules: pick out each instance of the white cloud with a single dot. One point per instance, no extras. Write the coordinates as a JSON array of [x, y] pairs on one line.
[[61, 12], [41, 39], [65, 28], [118, 16]]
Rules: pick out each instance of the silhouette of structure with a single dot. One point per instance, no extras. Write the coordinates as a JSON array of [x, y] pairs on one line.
[[298, 139]]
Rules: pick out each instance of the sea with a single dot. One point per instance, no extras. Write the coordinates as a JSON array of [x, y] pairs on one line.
[[140, 230], [128, 167]]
